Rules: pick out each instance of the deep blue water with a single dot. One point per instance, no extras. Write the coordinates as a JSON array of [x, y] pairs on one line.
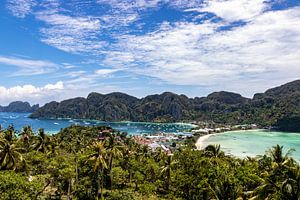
[[19, 120]]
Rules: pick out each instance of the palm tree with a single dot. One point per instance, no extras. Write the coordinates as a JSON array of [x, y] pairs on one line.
[[224, 189], [143, 152], [267, 190], [276, 154], [282, 180], [167, 169], [42, 143], [53, 145], [128, 153], [159, 154], [9, 155], [98, 159], [26, 135], [290, 188], [213, 151], [114, 150], [9, 135]]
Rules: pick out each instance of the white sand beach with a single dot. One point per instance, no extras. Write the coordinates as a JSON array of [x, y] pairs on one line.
[[199, 144]]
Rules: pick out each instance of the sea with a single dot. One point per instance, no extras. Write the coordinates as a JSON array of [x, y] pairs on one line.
[[52, 126], [255, 142]]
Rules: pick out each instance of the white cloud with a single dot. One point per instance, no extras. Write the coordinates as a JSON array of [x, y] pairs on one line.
[[71, 34], [58, 86], [233, 10], [105, 72], [28, 66], [267, 48], [261, 52], [76, 74], [130, 6], [30, 93], [138, 5], [76, 33], [83, 34], [20, 8]]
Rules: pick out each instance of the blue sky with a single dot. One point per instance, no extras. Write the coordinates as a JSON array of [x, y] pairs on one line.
[[54, 49]]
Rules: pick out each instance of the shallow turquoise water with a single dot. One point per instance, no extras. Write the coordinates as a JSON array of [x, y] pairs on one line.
[[19, 120], [252, 143]]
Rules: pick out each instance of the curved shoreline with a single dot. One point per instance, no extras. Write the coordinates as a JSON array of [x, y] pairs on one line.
[[247, 147], [199, 143]]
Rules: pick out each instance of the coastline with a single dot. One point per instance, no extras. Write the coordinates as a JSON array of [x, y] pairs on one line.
[[199, 143], [111, 122]]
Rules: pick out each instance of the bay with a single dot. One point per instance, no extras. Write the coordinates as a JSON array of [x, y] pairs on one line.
[[19, 120], [254, 142]]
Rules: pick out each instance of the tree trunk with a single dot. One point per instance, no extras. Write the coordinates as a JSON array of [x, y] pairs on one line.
[[169, 172], [168, 179], [69, 190], [76, 171], [136, 185], [101, 189], [110, 175], [130, 177], [98, 183]]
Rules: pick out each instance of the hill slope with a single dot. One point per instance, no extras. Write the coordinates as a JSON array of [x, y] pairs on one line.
[[267, 109], [19, 106]]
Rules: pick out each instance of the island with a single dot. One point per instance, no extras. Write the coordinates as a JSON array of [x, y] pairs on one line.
[[273, 108], [19, 107]]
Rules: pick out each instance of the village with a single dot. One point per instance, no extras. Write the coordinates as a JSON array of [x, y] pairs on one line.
[[169, 142]]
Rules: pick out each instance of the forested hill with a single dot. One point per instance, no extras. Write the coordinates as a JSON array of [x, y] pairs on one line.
[[19, 106], [275, 106]]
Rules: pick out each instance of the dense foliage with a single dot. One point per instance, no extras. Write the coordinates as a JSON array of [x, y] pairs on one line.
[[98, 162], [265, 109]]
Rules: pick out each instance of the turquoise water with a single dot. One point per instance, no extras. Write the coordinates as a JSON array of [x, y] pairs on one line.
[[252, 143], [19, 120]]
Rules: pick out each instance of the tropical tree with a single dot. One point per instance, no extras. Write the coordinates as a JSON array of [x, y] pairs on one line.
[[213, 151], [10, 155], [26, 134], [159, 154], [278, 157], [167, 169], [280, 180], [143, 152], [114, 151], [42, 142], [290, 187], [98, 159], [9, 135]]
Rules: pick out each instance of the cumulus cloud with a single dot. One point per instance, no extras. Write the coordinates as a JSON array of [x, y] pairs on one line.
[[30, 93], [28, 66]]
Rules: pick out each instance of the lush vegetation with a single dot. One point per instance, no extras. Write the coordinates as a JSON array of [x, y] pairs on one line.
[[272, 108], [100, 163]]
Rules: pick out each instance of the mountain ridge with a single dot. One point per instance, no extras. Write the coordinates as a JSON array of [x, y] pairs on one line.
[[19, 106], [265, 109]]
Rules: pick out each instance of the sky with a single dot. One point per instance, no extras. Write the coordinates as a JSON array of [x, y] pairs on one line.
[[59, 49]]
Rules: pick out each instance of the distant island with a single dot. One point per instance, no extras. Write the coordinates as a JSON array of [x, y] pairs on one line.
[[20, 107], [277, 107]]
